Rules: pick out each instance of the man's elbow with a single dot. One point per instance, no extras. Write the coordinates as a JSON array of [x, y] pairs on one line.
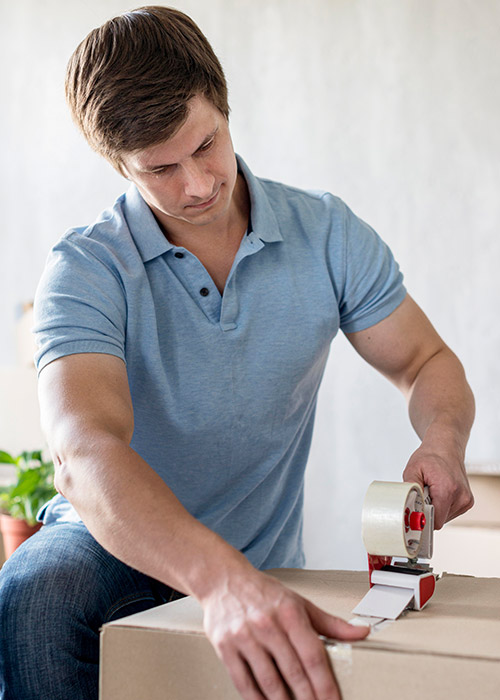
[[76, 451], [63, 479], [63, 446]]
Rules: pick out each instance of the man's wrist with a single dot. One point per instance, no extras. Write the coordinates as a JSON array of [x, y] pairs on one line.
[[445, 439], [218, 568]]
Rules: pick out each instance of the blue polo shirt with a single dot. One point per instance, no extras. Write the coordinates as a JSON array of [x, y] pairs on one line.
[[223, 387]]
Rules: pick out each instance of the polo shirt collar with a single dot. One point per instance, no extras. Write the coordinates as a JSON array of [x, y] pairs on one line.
[[149, 237], [262, 217]]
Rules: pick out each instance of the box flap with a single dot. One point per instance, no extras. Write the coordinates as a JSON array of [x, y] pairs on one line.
[[462, 619], [183, 616]]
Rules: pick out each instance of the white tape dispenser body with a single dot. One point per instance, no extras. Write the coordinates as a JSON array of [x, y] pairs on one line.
[[397, 529]]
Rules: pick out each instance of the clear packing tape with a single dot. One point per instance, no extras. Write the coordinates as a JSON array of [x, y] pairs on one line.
[[387, 505]]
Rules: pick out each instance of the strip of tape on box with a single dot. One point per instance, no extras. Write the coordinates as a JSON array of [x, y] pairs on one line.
[[386, 602]]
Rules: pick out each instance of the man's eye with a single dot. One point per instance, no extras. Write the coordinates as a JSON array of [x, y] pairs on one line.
[[160, 171], [207, 145]]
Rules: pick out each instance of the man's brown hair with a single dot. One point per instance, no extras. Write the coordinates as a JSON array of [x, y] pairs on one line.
[[129, 81]]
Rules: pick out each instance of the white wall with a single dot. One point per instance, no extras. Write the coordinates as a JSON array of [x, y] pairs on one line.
[[392, 104]]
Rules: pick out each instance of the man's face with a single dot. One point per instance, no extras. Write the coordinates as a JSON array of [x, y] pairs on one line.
[[190, 178]]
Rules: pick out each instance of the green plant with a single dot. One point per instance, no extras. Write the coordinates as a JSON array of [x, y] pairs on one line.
[[34, 485]]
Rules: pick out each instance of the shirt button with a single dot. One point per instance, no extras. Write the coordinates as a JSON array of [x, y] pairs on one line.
[[179, 255], [204, 292]]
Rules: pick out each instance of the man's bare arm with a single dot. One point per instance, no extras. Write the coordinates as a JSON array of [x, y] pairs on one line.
[[88, 419], [263, 632], [406, 349]]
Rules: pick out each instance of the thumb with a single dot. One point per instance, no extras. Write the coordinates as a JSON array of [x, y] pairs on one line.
[[334, 627]]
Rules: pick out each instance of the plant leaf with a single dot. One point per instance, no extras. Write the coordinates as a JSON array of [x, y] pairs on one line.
[[26, 484], [34, 486]]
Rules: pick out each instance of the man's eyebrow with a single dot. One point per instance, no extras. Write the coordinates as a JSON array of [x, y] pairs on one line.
[[206, 140]]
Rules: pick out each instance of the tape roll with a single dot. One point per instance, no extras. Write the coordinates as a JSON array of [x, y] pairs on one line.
[[383, 519]]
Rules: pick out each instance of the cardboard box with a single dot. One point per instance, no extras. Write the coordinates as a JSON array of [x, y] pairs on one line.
[[486, 509], [471, 549], [470, 544], [451, 649]]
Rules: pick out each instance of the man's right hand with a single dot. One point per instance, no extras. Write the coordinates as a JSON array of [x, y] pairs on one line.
[[267, 637]]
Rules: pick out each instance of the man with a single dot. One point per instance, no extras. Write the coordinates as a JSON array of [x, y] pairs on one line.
[[182, 339]]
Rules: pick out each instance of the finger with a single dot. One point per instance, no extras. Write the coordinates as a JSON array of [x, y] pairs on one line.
[[241, 675], [441, 514], [445, 514], [414, 477], [463, 500], [286, 659], [448, 486], [461, 508], [334, 627], [310, 651], [441, 498], [450, 500], [316, 663], [265, 673]]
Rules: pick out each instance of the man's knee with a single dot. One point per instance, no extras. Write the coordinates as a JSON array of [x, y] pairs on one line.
[[47, 573], [62, 575]]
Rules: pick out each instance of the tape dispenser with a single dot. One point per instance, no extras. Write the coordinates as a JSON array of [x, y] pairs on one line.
[[397, 530]]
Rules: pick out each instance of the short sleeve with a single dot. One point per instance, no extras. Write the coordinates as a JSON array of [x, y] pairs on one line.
[[80, 305], [373, 284]]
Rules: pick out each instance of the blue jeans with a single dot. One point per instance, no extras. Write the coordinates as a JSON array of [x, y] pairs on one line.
[[56, 591]]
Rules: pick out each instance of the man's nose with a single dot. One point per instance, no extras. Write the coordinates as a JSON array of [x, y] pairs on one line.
[[198, 182]]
